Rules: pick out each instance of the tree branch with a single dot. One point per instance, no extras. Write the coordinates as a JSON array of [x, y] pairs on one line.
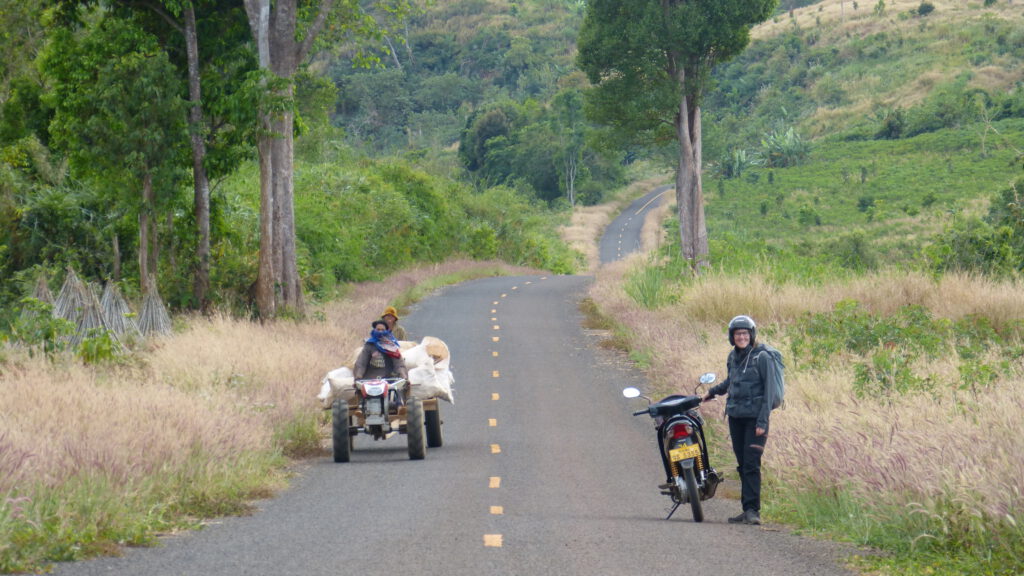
[[314, 30]]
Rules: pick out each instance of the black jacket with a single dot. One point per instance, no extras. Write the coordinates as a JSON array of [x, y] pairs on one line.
[[750, 385]]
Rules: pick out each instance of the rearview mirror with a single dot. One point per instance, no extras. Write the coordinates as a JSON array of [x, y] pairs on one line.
[[708, 378], [631, 392]]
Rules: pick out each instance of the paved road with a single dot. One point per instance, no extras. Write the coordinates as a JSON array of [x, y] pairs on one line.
[[543, 471], [622, 237]]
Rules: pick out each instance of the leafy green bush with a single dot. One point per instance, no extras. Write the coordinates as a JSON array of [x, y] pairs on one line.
[[38, 330], [781, 149]]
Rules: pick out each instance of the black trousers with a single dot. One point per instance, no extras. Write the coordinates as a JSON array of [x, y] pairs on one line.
[[748, 448]]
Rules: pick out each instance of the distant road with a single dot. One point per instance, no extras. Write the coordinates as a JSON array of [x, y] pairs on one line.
[[543, 472], [622, 237]]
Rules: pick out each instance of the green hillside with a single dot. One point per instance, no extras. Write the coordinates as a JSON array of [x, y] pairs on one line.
[[854, 137]]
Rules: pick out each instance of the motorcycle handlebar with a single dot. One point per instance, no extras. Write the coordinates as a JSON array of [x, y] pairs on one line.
[[641, 412]]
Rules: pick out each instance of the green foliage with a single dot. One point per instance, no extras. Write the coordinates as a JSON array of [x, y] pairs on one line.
[[946, 538], [994, 245], [889, 349], [652, 286], [38, 330], [100, 346], [782, 149]]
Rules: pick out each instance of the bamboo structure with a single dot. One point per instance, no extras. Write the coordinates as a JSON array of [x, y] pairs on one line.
[[77, 303], [154, 318], [117, 315]]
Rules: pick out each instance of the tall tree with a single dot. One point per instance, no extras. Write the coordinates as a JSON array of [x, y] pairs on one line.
[[119, 117], [285, 32], [650, 63], [221, 20]]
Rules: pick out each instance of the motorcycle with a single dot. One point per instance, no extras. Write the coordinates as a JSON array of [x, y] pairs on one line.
[[684, 451]]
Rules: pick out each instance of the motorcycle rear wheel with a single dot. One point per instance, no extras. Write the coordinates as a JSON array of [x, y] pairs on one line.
[[693, 493]]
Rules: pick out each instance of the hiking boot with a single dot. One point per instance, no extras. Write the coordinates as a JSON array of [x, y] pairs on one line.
[[739, 519], [752, 517]]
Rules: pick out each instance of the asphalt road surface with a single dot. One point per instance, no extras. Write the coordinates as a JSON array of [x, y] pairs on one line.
[[543, 471], [622, 237]]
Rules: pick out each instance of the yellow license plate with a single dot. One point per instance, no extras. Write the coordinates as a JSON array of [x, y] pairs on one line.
[[683, 452]]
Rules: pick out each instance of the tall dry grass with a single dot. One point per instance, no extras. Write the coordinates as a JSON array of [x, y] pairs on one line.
[[949, 458], [193, 426]]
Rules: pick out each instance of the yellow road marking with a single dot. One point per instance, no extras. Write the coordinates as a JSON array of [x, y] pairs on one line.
[[495, 482], [492, 540], [497, 510], [495, 374], [528, 283], [494, 353], [543, 277], [494, 319], [504, 295], [495, 396], [495, 302], [494, 310], [515, 287], [496, 327], [495, 449], [492, 422]]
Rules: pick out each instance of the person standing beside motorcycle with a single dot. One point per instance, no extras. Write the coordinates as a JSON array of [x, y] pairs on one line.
[[750, 387]]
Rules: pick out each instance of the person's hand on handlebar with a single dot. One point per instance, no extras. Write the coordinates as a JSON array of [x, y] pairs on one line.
[[708, 397]]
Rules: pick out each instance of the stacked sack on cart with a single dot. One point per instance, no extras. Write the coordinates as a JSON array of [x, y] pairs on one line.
[[428, 363]]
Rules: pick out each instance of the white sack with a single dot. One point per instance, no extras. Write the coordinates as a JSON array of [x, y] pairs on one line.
[[429, 383], [337, 384]]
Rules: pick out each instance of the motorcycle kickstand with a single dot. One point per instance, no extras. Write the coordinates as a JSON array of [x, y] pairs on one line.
[[673, 510]]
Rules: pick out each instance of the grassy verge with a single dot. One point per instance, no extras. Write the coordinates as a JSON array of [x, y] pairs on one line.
[[178, 442]]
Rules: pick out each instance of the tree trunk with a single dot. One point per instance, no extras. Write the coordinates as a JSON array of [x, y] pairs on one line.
[[280, 52], [258, 12], [689, 193], [117, 259], [201, 183], [146, 229], [265, 277]]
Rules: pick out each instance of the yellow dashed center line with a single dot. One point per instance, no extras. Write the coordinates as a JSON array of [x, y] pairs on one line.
[[492, 540], [495, 482], [494, 311], [497, 327], [504, 295], [497, 510], [494, 353], [495, 374], [495, 396], [495, 449], [495, 338], [495, 302], [492, 422]]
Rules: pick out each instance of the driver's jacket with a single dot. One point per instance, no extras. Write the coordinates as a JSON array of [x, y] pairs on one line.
[[372, 364]]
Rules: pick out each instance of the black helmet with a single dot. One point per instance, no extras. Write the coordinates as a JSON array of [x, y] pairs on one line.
[[742, 323]]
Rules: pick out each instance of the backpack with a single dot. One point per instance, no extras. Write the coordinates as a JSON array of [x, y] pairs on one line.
[[779, 367]]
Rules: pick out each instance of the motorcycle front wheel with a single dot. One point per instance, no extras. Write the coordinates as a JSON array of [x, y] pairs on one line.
[[693, 493]]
